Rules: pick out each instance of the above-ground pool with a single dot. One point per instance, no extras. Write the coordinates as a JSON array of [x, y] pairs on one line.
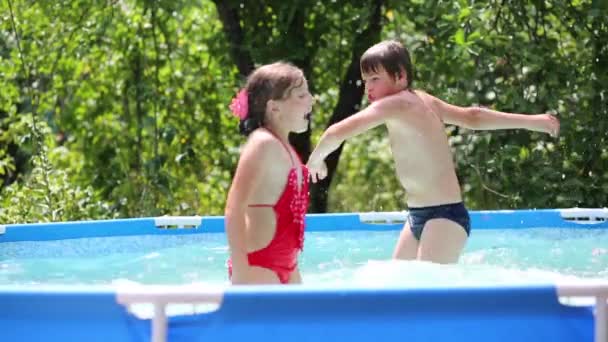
[[72, 279]]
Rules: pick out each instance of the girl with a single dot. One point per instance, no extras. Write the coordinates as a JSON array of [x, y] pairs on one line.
[[268, 198]]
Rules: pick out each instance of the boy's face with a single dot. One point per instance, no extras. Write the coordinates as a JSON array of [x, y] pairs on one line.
[[379, 84]]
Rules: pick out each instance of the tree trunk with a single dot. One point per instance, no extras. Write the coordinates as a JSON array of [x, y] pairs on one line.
[[350, 91], [349, 101], [230, 20], [301, 142]]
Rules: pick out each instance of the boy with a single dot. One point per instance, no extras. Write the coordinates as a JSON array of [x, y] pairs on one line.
[[438, 224]]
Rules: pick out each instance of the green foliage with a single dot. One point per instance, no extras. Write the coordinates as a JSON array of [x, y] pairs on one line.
[[137, 92], [47, 193], [49, 196], [119, 108], [512, 56]]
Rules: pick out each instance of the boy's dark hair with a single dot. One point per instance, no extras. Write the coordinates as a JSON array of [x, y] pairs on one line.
[[390, 55]]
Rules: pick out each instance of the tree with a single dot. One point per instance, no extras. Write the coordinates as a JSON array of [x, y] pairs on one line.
[[296, 33]]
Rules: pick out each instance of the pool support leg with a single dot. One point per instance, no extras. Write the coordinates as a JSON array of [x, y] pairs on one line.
[[601, 319], [159, 323]]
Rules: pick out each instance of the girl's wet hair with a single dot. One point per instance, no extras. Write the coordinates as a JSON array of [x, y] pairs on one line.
[[269, 82], [390, 55]]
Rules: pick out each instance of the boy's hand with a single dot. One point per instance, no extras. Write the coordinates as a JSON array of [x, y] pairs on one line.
[[317, 170], [550, 124]]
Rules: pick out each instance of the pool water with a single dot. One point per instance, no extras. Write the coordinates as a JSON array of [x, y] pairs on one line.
[[340, 258]]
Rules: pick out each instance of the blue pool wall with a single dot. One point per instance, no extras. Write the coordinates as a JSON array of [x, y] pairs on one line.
[[499, 219], [530, 313], [525, 313]]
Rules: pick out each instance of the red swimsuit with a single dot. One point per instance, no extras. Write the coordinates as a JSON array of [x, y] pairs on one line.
[[281, 254]]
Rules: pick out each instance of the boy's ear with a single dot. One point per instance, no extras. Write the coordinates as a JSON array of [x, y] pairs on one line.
[[402, 78]]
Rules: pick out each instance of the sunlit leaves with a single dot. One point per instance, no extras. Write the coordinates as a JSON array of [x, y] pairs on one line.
[[132, 96]]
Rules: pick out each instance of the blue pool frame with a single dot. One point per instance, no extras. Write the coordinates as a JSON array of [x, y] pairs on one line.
[[302, 313], [493, 219]]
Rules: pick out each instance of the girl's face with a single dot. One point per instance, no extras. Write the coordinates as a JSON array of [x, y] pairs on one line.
[[295, 109], [379, 84]]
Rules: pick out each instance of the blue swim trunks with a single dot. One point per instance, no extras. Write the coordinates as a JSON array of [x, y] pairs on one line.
[[456, 212]]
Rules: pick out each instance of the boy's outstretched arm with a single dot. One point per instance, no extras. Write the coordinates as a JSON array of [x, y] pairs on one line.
[[478, 118], [368, 118]]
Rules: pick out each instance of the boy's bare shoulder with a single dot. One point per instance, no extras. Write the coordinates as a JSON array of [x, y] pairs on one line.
[[397, 103], [424, 95]]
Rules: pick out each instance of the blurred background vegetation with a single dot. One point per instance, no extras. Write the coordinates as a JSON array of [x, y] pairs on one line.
[[118, 108]]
